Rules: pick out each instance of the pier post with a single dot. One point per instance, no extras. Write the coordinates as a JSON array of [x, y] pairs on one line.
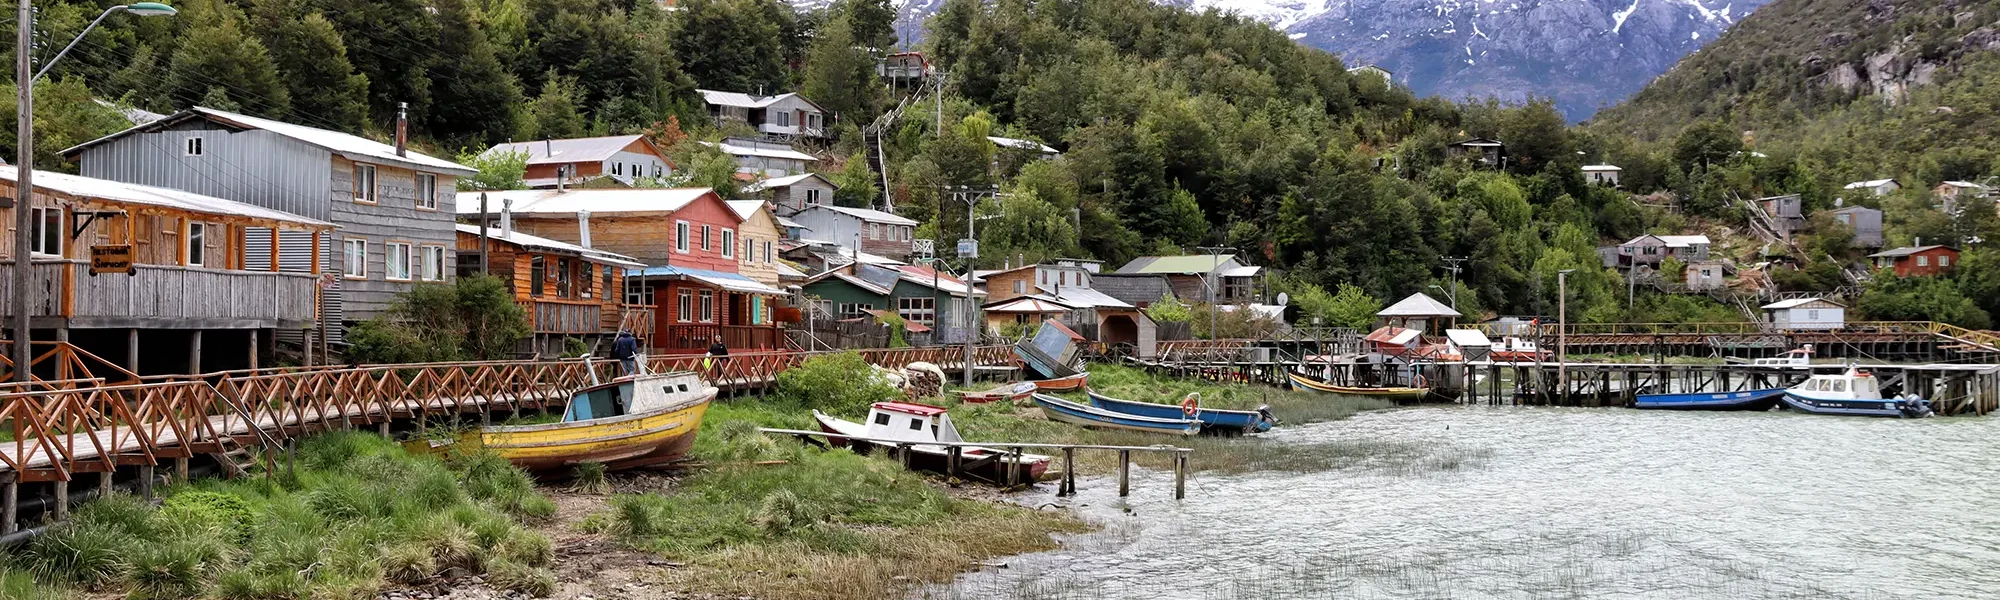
[[1124, 473], [952, 457], [903, 455], [1014, 475], [1068, 487], [1180, 475], [104, 483], [146, 482], [181, 470], [194, 352], [9, 503], [61, 509]]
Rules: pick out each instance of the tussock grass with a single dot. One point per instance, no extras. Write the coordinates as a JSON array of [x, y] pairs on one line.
[[360, 514]]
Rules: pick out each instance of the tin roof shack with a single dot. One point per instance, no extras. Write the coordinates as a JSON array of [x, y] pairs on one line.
[[566, 289], [757, 159], [927, 301], [784, 116], [1916, 261], [1651, 249], [1189, 276], [1879, 187], [1481, 150], [1417, 312], [570, 162], [1950, 193], [793, 193], [393, 206], [1602, 174], [125, 270], [1805, 314], [1787, 212], [874, 231], [1705, 275], [1866, 223]]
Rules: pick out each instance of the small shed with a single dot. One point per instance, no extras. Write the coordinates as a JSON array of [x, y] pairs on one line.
[[1805, 314], [1485, 151], [1469, 344], [1394, 341], [1879, 187], [1705, 275], [1416, 311], [1602, 174]]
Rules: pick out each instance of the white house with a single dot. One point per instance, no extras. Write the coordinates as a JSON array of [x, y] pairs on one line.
[[1602, 174], [876, 232], [785, 115], [1805, 314], [1880, 187], [794, 193], [764, 159]]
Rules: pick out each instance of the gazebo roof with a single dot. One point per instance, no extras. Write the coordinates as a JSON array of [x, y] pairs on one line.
[[1417, 306]]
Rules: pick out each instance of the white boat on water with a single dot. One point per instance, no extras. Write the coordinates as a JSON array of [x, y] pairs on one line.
[[1800, 357], [1855, 393]]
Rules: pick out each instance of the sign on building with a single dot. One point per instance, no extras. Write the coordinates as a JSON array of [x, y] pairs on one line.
[[111, 258]]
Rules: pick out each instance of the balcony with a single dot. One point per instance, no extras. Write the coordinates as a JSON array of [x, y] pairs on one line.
[[566, 317], [696, 338], [65, 295]]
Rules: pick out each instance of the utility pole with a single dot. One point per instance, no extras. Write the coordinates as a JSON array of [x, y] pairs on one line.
[[1214, 281], [1451, 263], [24, 188], [1562, 330]]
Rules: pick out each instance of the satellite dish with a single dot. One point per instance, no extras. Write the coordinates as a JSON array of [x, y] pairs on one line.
[[1284, 299]]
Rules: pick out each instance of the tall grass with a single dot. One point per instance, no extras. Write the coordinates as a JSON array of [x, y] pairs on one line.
[[359, 515]]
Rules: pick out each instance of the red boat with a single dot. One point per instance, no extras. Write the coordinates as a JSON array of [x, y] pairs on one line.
[[1063, 384]]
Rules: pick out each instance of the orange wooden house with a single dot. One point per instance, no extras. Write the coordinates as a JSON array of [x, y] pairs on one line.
[[567, 290]]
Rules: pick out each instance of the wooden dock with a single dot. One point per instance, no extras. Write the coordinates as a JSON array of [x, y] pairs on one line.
[[1013, 450]]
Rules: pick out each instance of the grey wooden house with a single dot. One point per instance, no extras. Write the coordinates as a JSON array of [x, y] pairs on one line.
[[394, 208]]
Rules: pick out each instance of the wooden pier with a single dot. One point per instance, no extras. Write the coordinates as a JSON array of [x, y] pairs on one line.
[[1014, 450]]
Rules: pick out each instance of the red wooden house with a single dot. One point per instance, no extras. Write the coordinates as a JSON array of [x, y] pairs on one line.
[[1917, 261]]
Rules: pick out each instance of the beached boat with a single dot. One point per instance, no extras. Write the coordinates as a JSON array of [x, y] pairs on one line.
[[1744, 400], [1231, 422], [1063, 384], [1514, 349], [633, 421], [1090, 416], [1013, 392], [1853, 393], [1300, 381], [922, 426]]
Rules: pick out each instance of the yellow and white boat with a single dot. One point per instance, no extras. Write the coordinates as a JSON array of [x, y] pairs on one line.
[[632, 421], [1303, 382]]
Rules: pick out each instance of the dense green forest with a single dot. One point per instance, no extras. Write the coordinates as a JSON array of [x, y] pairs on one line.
[[1178, 129]]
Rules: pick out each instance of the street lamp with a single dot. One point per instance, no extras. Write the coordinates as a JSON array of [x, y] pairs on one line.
[[1214, 281], [1562, 329], [24, 187]]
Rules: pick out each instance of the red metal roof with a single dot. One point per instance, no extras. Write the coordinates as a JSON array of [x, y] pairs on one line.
[[921, 410]]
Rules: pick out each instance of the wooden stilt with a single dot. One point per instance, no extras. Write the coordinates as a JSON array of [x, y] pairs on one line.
[[132, 350], [1014, 475], [1180, 476], [951, 462], [1068, 487], [255, 348], [104, 483], [181, 469], [146, 481], [61, 508], [194, 352], [1124, 473], [10, 495]]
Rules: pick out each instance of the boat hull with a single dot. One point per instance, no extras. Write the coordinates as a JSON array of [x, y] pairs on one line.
[[1006, 392], [1393, 393], [1846, 407], [1744, 400], [977, 462], [640, 440], [1063, 384], [1078, 414], [1212, 420]]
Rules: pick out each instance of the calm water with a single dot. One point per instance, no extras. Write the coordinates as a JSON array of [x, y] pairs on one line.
[[1509, 502]]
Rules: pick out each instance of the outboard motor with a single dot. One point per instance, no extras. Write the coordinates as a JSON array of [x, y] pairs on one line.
[[1264, 412], [1915, 407]]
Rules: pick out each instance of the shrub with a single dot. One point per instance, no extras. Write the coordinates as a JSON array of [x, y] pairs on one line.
[[515, 577], [167, 571], [840, 382], [590, 478], [779, 512], [473, 318], [408, 564], [81, 552], [225, 511]]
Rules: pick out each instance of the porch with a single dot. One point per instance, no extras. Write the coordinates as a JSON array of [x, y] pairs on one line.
[[64, 294], [696, 338]]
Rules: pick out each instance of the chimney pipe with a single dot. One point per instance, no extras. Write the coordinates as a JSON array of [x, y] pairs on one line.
[[507, 218], [562, 178], [402, 129], [583, 227]]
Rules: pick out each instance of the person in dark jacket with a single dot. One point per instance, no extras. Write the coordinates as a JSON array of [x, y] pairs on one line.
[[626, 349], [718, 355]]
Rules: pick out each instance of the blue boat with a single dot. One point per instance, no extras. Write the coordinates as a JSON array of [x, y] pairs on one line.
[[1744, 400], [1855, 394], [1090, 416], [1232, 422]]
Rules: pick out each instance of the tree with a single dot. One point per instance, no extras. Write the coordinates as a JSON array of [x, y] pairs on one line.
[[217, 64], [482, 99], [557, 112], [66, 114], [839, 76], [1349, 307], [1892, 298], [1705, 144], [1025, 226], [497, 171], [733, 45], [474, 318], [310, 54], [855, 185], [872, 23]]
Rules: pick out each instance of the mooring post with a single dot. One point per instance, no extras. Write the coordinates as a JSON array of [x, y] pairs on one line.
[[9, 496], [1180, 475], [62, 499], [104, 483], [1014, 475], [903, 454], [181, 469], [1068, 487], [382, 428], [146, 482], [951, 461], [1124, 473]]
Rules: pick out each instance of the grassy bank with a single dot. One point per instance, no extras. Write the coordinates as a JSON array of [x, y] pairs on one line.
[[771, 518], [360, 515]]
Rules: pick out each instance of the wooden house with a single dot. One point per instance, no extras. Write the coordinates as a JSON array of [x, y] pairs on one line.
[[758, 159], [688, 237], [1190, 276], [760, 233], [394, 207], [1480, 150], [1866, 223], [793, 193], [1705, 275], [1879, 187], [1602, 174], [1916, 261], [125, 270], [571, 162], [1651, 249], [567, 290], [938, 302], [1787, 212], [1097, 316], [784, 116], [1805, 314], [873, 231]]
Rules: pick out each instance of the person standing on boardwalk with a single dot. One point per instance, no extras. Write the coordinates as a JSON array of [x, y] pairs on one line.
[[718, 355], [626, 349]]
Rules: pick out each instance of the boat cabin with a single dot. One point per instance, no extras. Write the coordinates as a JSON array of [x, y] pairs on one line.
[[1852, 385], [910, 422], [633, 395]]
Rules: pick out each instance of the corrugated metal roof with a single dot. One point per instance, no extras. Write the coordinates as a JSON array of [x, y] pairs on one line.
[[1906, 251], [1192, 264], [745, 208], [1798, 302], [1418, 305], [1468, 338], [345, 144], [1022, 144], [1026, 304], [869, 215], [571, 201], [88, 188], [743, 100], [537, 242], [592, 149], [1869, 183], [778, 182], [1086, 297], [734, 282], [747, 150], [1592, 168]]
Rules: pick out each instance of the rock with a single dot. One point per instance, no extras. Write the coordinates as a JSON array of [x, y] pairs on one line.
[[1836, 39]]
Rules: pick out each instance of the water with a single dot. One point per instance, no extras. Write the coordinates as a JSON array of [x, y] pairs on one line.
[[1505, 502]]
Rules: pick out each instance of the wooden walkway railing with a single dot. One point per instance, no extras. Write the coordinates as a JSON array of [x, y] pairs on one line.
[[63, 427]]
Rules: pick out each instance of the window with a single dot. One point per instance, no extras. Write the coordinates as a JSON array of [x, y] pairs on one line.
[[1944, 261], [1844, 219], [538, 276], [427, 191], [812, 197], [881, 418], [916, 424], [917, 310], [364, 183], [617, 168], [1812, 315], [564, 278], [46, 233], [194, 146], [641, 295], [784, 118], [681, 236], [872, 232], [197, 244], [355, 261], [1062, 278], [1923, 261], [767, 252], [396, 261], [610, 284], [812, 120], [707, 306], [728, 243], [1020, 286], [705, 236], [685, 306], [749, 250], [433, 263], [852, 310], [659, 170]]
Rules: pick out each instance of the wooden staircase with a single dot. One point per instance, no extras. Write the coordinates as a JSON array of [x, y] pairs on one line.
[[872, 135]]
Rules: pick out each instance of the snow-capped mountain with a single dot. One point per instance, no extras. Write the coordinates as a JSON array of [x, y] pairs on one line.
[[1584, 53]]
